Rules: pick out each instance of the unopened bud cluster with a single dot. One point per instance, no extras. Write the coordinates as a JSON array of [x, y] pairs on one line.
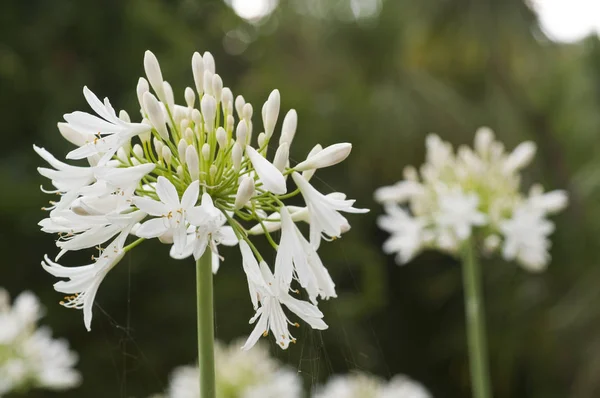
[[195, 176], [473, 192]]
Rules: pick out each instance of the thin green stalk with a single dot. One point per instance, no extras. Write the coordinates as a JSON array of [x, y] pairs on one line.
[[475, 318], [206, 333]]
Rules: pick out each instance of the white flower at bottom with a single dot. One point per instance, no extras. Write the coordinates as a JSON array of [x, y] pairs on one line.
[[51, 363], [240, 374], [362, 385], [29, 357], [403, 387]]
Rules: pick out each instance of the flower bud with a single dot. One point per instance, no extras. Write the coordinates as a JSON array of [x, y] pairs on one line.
[[190, 97], [281, 156], [124, 116], [239, 106], [244, 193], [189, 135], [491, 243], [180, 172], [193, 164], [127, 146], [181, 148], [288, 130], [167, 155], [271, 112], [329, 156], [222, 137], [410, 173], [262, 137], [236, 156], [307, 175], [122, 155], [269, 176], [227, 100], [520, 157], [142, 87], [179, 114], [212, 171], [208, 105], [208, 79], [156, 115], [138, 151], [205, 152], [209, 62], [198, 72], [241, 133], [145, 137], [158, 146], [184, 124], [247, 112], [154, 74], [196, 117], [169, 96], [484, 137], [230, 122], [217, 86]]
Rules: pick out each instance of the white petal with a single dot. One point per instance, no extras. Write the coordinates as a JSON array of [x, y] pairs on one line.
[[167, 192], [329, 156], [271, 178], [152, 207], [258, 331], [190, 196], [152, 228]]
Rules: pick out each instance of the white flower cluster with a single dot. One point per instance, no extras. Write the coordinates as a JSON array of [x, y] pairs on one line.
[[240, 374], [455, 193], [361, 385], [190, 175], [29, 357]]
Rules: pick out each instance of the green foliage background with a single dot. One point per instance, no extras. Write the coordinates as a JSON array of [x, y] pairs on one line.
[[381, 83]]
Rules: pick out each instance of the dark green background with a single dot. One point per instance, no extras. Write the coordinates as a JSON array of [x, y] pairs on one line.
[[381, 83]]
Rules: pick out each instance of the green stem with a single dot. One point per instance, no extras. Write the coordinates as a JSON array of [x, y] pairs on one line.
[[206, 334], [475, 318]]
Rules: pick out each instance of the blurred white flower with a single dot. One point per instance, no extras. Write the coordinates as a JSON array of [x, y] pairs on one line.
[[29, 357], [473, 192], [362, 385], [240, 374]]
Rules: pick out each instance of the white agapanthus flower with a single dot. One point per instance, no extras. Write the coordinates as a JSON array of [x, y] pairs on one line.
[[29, 356], [473, 192], [195, 176], [240, 374], [362, 385]]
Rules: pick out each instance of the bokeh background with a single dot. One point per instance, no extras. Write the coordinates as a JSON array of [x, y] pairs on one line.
[[379, 74]]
